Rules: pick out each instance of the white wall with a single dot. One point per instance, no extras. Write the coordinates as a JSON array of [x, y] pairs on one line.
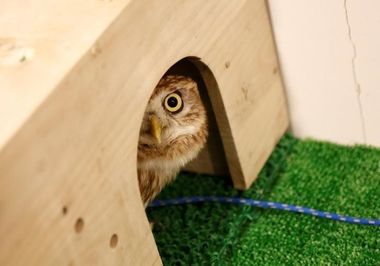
[[330, 56]]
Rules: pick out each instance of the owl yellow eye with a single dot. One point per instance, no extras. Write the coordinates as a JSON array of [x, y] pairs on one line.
[[173, 102]]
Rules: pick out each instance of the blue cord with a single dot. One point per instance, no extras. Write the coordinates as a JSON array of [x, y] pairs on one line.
[[266, 205]]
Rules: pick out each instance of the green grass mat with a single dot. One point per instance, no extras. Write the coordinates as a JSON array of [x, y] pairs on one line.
[[314, 174]]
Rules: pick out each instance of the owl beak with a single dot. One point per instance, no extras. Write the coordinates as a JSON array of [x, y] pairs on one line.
[[155, 128]]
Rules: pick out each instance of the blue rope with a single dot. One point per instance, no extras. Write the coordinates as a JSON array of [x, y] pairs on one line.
[[265, 205]]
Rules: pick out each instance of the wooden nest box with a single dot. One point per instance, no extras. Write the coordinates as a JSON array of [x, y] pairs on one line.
[[75, 78]]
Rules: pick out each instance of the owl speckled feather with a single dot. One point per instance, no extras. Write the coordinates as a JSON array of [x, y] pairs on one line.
[[173, 131]]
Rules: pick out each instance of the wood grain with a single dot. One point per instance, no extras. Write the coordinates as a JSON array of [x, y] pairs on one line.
[[75, 80]]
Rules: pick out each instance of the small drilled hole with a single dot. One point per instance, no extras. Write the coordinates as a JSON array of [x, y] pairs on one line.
[[114, 240], [79, 224], [64, 210]]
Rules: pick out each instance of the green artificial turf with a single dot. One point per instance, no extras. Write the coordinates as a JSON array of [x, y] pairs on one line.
[[319, 175]]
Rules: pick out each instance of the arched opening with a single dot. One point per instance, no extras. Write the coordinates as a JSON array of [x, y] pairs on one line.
[[211, 159]]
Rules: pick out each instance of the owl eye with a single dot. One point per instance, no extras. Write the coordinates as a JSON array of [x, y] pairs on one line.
[[173, 102]]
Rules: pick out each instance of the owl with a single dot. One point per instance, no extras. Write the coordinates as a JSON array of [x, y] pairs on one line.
[[173, 131]]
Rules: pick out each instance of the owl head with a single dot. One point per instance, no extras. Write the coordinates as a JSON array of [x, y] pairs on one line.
[[174, 126]]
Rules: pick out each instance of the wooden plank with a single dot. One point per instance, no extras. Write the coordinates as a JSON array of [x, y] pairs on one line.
[[74, 84], [245, 89], [43, 39], [246, 93]]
